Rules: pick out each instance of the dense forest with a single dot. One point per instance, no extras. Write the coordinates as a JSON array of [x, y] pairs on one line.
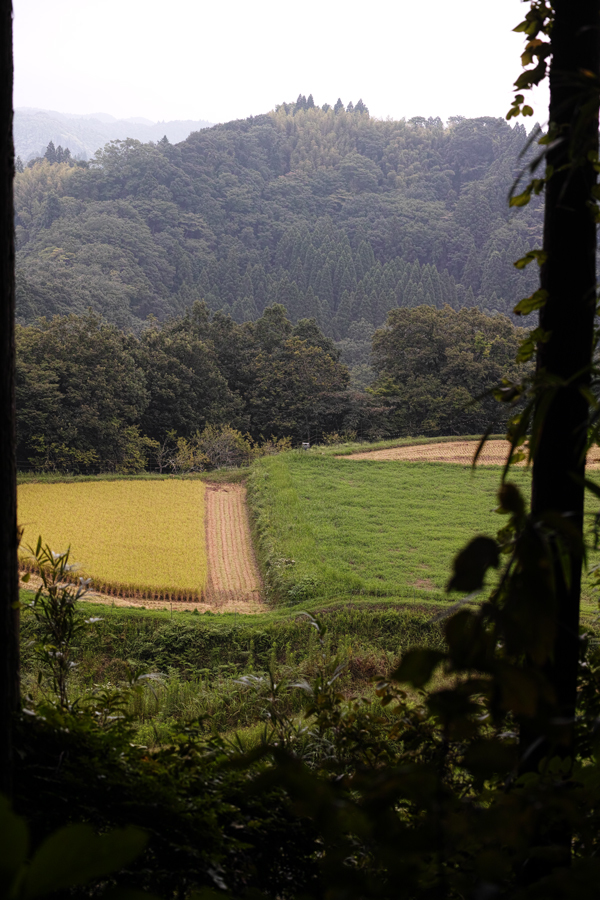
[[201, 390], [333, 214]]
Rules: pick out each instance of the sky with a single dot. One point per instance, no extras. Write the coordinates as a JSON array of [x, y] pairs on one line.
[[228, 59]]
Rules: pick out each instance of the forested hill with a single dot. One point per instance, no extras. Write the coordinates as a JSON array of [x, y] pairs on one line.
[[329, 212]]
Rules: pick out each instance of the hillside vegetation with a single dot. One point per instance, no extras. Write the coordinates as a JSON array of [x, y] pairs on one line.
[[329, 212]]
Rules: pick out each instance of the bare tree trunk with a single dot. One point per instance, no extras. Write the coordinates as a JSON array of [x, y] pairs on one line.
[[9, 595], [569, 277]]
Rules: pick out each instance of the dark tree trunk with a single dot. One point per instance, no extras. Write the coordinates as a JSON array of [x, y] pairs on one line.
[[9, 595], [569, 277]]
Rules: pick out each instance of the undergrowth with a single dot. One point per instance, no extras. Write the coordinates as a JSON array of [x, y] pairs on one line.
[[200, 660]]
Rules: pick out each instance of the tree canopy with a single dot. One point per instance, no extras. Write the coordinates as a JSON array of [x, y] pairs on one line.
[[93, 398], [439, 367]]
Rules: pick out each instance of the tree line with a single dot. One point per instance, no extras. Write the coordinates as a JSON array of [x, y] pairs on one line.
[[92, 397]]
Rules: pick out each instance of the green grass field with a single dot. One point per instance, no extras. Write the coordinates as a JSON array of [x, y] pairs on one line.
[[332, 528]]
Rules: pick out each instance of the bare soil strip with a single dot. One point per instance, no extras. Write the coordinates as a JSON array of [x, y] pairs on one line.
[[494, 453], [233, 576]]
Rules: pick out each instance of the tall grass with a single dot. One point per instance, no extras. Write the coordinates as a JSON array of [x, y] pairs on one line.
[[201, 659]]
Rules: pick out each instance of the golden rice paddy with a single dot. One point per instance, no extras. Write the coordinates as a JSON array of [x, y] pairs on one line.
[[142, 539]]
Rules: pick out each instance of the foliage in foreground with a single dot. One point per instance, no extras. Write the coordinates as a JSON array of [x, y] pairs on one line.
[[344, 796], [349, 797], [70, 857]]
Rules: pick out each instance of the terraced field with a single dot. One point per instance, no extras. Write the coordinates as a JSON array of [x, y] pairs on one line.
[[352, 526], [494, 453], [137, 539], [150, 542]]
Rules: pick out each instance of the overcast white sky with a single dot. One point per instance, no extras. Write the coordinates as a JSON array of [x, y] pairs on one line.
[[227, 59]]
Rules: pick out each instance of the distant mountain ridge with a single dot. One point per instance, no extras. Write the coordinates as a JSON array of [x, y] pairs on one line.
[[84, 134]]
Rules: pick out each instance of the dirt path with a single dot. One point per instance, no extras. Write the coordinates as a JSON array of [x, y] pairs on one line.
[[493, 454], [233, 575]]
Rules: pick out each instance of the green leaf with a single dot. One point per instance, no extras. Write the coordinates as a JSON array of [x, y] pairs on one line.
[[538, 255], [529, 345], [75, 855], [511, 500], [526, 350], [521, 199], [417, 667], [531, 76], [481, 445], [471, 564], [529, 304], [13, 845]]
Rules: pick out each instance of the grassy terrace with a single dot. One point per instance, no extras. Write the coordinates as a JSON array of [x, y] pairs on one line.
[[330, 528], [200, 658]]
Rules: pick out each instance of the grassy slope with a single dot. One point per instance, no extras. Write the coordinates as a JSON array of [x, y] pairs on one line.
[[193, 644], [331, 528], [362, 528]]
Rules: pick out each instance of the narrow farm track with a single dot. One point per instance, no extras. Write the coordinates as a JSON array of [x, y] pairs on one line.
[[494, 453], [233, 576]]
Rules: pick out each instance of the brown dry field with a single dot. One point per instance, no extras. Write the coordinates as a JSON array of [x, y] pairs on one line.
[[494, 453], [233, 576], [234, 583]]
